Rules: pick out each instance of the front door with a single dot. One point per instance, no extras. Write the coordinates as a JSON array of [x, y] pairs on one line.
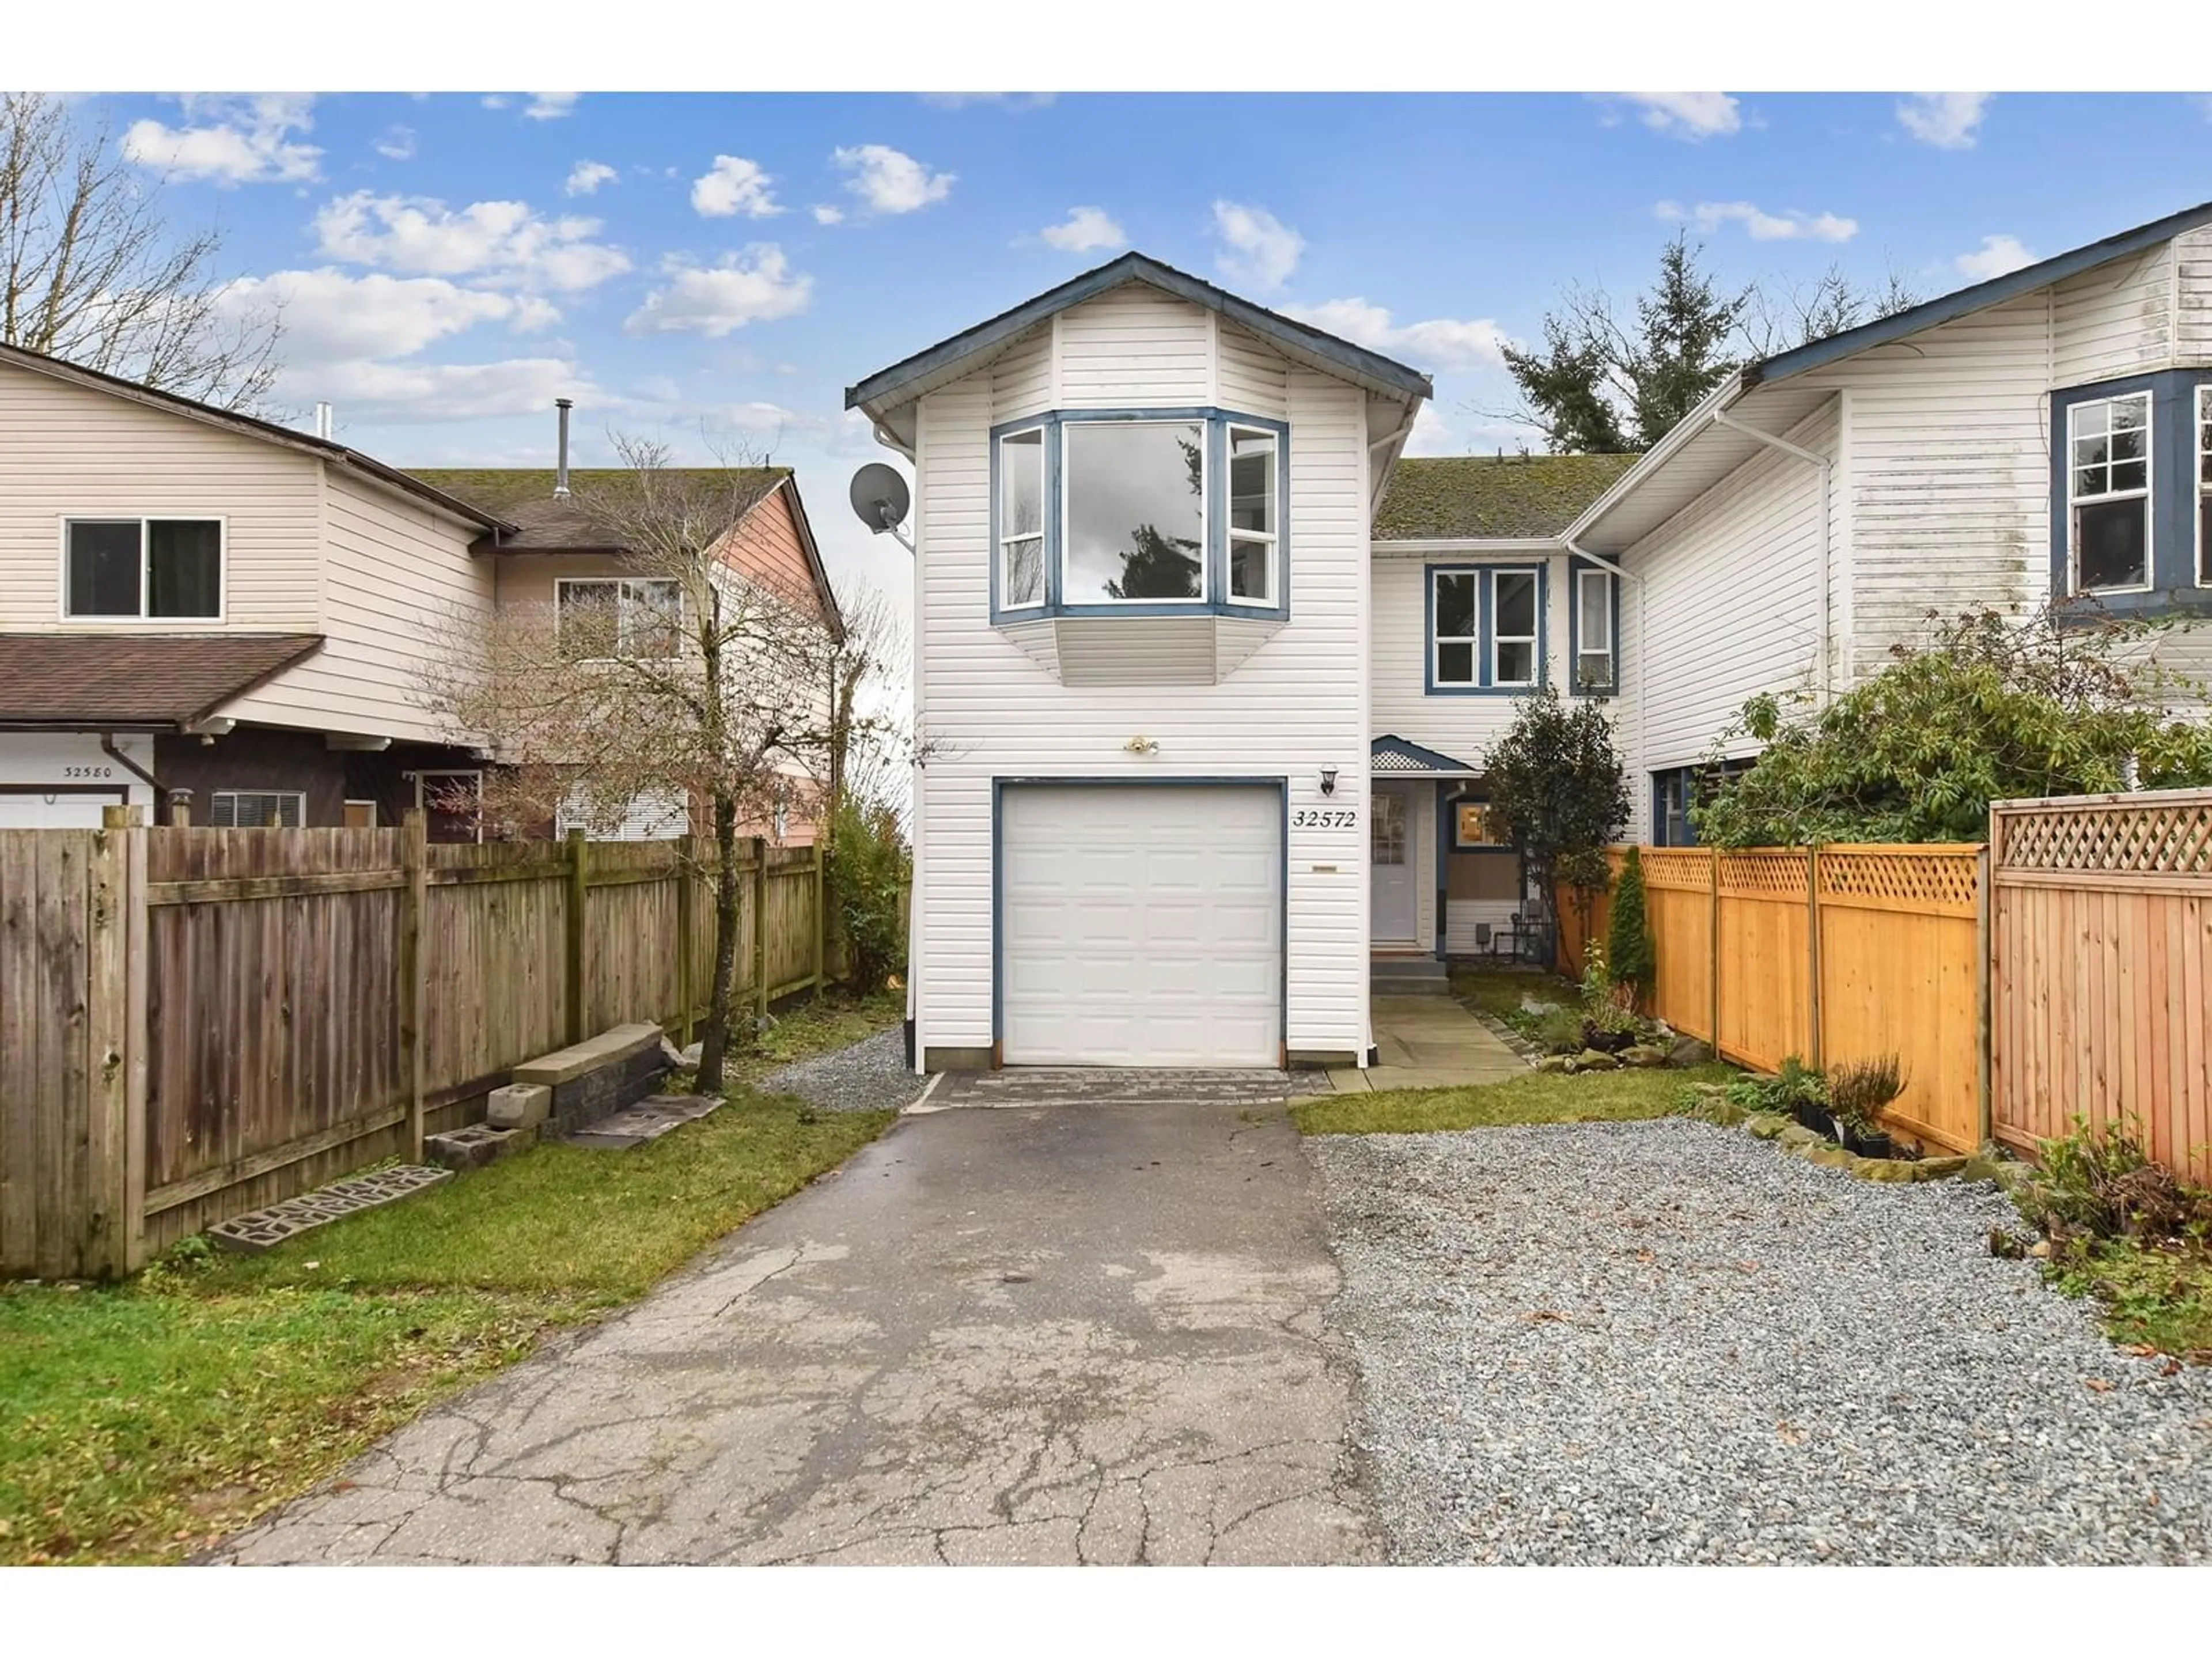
[[1390, 865]]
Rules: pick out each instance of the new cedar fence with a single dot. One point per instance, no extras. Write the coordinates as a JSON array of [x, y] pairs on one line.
[[2101, 989], [195, 1023], [1831, 953]]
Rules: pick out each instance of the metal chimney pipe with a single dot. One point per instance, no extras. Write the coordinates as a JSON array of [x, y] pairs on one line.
[[323, 420], [560, 467]]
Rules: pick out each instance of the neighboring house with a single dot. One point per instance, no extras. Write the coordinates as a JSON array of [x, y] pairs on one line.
[[202, 609]]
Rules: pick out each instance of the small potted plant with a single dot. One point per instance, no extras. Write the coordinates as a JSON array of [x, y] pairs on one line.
[[1803, 1093], [1858, 1089]]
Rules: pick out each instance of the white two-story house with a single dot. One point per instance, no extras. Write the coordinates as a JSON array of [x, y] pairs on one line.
[[1206, 673]]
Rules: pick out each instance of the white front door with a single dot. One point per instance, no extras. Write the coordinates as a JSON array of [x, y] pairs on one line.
[[1390, 865], [1142, 925]]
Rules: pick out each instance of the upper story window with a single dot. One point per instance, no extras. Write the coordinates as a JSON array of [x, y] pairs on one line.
[[1596, 627], [2131, 478], [610, 617], [1151, 510], [1486, 628], [152, 569]]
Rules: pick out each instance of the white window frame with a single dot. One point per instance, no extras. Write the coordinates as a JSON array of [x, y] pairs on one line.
[[1603, 612], [1272, 539], [1044, 438], [2147, 495], [1067, 429], [1438, 639], [1534, 639], [297, 797], [2203, 478], [143, 520], [622, 585], [374, 816]]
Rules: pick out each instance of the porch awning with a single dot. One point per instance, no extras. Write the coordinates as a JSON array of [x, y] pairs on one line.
[[1393, 756]]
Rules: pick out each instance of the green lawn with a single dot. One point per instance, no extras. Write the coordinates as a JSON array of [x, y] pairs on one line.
[[2156, 1298], [1596, 1097], [140, 1422], [1499, 992]]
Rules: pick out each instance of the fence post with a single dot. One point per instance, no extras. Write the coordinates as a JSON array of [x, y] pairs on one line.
[[687, 848], [572, 978], [1713, 946], [1812, 947], [1985, 1127], [111, 1231], [415, 865], [760, 931], [821, 911]]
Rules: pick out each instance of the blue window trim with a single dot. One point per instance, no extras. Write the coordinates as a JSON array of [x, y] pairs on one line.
[[1485, 576], [1218, 422], [1575, 567], [1278, 783], [2174, 589]]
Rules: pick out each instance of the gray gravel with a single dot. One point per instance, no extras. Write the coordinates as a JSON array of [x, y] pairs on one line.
[[868, 1075], [1664, 1341]]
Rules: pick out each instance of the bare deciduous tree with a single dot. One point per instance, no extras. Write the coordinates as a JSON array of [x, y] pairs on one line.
[[90, 273], [700, 681]]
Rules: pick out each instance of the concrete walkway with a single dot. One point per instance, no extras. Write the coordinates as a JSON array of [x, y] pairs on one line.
[[1088, 1332], [1429, 1043]]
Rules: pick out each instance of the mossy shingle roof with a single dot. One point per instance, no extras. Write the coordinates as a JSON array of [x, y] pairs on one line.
[[523, 497], [1439, 497]]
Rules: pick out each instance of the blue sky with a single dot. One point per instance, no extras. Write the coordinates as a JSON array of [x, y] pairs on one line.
[[449, 263]]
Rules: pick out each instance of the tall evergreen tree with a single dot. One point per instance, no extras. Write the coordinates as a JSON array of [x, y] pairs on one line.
[[1628, 954]]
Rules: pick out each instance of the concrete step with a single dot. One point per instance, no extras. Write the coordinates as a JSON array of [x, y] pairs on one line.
[[1407, 976]]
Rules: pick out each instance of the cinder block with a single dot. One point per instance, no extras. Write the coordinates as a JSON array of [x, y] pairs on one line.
[[519, 1105]]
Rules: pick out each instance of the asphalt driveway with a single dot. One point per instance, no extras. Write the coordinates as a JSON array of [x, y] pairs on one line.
[[1086, 1331]]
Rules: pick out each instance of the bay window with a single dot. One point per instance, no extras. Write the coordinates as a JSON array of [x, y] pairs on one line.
[[143, 570], [2108, 443], [1486, 628], [1139, 512]]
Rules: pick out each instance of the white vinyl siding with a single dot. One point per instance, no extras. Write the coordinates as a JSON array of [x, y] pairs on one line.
[[1021, 378], [1462, 727], [2113, 320], [1253, 378], [1136, 348]]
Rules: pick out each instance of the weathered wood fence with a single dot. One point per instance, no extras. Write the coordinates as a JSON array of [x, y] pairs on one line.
[[2101, 964], [194, 1021], [1831, 953]]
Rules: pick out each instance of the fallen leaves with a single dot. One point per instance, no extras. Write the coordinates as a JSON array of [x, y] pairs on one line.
[[2096, 1384], [1790, 1433]]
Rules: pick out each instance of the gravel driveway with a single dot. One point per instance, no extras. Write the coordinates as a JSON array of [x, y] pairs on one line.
[[1662, 1342], [871, 1075]]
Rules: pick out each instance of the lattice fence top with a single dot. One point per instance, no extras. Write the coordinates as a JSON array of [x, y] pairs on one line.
[[2158, 833], [1677, 867], [1775, 873], [1932, 879]]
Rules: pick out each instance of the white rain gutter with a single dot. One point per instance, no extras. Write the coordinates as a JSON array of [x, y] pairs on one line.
[[1722, 418], [1643, 636]]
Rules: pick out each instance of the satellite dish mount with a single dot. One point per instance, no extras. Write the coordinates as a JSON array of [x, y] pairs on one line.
[[880, 501]]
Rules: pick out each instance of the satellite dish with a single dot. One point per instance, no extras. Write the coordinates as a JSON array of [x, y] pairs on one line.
[[881, 498]]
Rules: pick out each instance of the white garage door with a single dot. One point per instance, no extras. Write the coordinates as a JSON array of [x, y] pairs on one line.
[[60, 810], [1143, 926]]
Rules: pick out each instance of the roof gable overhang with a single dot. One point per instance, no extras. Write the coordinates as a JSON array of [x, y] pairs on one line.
[[1393, 756]]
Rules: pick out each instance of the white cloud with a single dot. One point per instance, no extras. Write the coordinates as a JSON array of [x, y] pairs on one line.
[[1945, 120], [586, 177], [396, 143], [825, 214], [503, 241], [890, 181], [1689, 115], [1257, 247], [1012, 100], [1996, 255], [241, 140], [733, 185], [1085, 230], [329, 315], [495, 100], [756, 286], [1439, 342], [550, 106], [1790, 227], [366, 391], [1431, 437]]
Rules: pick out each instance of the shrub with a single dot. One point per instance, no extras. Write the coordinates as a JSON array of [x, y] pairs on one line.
[[1559, 1031], [2103, 1184], [867, 875], [1859, 1089], [1628, 948]]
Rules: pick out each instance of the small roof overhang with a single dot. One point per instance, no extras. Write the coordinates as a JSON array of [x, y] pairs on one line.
[[1393, 756], [136, 682]]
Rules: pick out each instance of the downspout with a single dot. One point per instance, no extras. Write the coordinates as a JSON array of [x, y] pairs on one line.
[[1642, 641], [1722, 418], [161, 795]]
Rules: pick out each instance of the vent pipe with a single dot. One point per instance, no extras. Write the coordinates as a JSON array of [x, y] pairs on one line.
[[323, 420], [560, 465]]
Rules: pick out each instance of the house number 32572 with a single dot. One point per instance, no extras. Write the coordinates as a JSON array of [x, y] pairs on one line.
[[1325, 817]]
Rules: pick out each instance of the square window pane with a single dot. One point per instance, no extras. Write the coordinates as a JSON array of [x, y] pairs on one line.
[[103, 575], [1251, 570], [1251, 480], [2092, 453], [1593, 614], [1022, 582], [1456, 665], [2131, 475], [1516, 663], [2128, 445], [652, 618], [1516, 601], [2090, 419], [2112, 542], [184, 558], [1456, 606], [2089, 480], [1021, 484], [1593, 669], [1136, 511], [589, 614], [2131, 414]]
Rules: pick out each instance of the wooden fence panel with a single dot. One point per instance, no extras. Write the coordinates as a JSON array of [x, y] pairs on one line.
[[2100, 942], [629, 933], [1679, 910], [492, 943], [46, 1068], [790, 918], [1765, 957]]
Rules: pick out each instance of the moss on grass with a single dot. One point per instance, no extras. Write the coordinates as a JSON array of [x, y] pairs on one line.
[[1596, 1097]]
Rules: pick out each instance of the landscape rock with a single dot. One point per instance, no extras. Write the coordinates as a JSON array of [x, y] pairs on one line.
[[1979, 1168], [1793, 1134], [1596, 1060], [1643, 1053], [1835, 1157], [1556, 1064], [1937, 1169], [1535, 1004], [1688, 1051], [1768, 1125]]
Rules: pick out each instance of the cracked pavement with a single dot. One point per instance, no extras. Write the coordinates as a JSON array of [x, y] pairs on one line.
[[1084, 1332]]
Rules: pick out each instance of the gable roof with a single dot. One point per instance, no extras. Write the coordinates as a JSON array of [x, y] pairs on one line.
[[1491, 497], [136, 682], [910, 377], [246, 426], [1392, 756]]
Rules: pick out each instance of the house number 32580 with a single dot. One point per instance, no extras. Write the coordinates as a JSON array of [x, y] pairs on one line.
[[1325, 817]]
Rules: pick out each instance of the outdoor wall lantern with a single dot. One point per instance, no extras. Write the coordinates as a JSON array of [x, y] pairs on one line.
[[1328, 780]]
